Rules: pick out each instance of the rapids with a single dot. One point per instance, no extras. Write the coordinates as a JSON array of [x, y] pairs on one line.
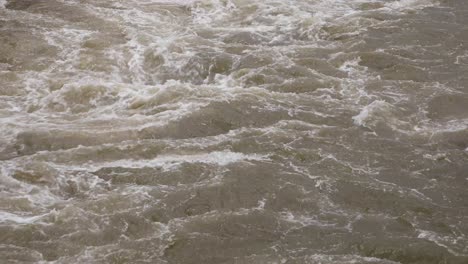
[[234, 131]]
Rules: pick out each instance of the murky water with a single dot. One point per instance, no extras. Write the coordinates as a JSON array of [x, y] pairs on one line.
[[234, 131]]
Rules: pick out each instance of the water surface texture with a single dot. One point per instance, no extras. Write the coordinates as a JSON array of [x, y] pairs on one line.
[[234, 131]]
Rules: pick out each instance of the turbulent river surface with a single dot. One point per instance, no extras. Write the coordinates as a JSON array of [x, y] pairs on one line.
[[234, 131]]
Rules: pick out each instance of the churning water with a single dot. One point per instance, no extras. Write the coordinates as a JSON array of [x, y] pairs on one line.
[[234, 131]]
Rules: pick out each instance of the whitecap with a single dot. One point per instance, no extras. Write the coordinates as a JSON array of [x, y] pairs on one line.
[[368, 112]]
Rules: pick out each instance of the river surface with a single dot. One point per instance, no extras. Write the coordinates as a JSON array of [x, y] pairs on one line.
[[234, 131]]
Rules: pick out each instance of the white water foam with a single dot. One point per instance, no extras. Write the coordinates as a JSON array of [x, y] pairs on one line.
[[369, 111], [445, 241], [141, 29], [6, 217], [409, 4], [167, 162], [346, 259]]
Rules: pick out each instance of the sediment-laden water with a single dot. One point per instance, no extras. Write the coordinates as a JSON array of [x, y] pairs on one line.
[[234, 131]]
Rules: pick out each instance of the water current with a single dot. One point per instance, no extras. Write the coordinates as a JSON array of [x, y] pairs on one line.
[[234, 131]]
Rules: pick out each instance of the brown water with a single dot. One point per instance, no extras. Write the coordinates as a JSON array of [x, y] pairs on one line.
[[234, 131]]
